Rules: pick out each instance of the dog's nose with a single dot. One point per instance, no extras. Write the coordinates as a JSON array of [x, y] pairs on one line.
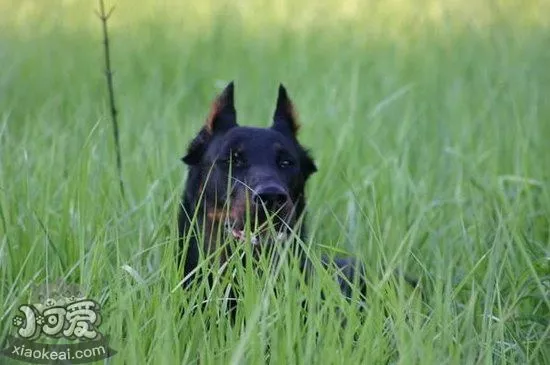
[[272, 197]]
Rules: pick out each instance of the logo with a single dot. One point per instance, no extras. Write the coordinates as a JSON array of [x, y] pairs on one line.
[[59, 311]]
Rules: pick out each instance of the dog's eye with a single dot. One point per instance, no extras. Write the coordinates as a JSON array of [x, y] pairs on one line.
[[236, 159], [285, 162]]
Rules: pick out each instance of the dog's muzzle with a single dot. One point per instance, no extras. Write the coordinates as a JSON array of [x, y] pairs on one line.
[[271, 215]]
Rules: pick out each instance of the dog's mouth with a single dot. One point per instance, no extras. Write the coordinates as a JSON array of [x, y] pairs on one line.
[[263, 233]]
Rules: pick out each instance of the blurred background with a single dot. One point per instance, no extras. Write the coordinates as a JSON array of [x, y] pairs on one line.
[[427, 93]]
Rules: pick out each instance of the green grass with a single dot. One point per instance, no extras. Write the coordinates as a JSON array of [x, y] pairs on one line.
[[429, 122]]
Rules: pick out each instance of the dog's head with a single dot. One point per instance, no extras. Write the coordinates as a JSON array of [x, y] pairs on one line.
[[243, 172]]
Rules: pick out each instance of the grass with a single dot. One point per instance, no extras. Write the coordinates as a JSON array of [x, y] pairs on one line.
[[429, 124]]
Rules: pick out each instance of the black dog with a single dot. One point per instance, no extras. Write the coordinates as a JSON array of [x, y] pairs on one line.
[[262, 171]]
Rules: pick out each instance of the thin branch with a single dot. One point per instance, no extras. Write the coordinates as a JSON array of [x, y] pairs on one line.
[[104, 17]]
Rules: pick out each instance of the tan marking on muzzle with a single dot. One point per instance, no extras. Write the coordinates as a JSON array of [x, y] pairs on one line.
[[217, 214]]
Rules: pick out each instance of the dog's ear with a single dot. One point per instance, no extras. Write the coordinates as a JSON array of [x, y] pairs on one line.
[[285, 119], [222, 117]]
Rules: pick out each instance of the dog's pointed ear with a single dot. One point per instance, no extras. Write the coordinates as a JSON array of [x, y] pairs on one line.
[[285, 119], [223, 115]]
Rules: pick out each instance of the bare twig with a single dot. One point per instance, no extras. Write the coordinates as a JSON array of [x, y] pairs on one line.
[[109, 75]]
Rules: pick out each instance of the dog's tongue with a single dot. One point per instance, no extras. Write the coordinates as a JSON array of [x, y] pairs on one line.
[[240, 235]]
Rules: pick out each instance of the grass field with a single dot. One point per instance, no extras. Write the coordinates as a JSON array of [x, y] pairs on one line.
[[430, 124]]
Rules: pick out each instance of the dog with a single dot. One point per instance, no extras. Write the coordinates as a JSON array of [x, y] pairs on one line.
[[262, 172]]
